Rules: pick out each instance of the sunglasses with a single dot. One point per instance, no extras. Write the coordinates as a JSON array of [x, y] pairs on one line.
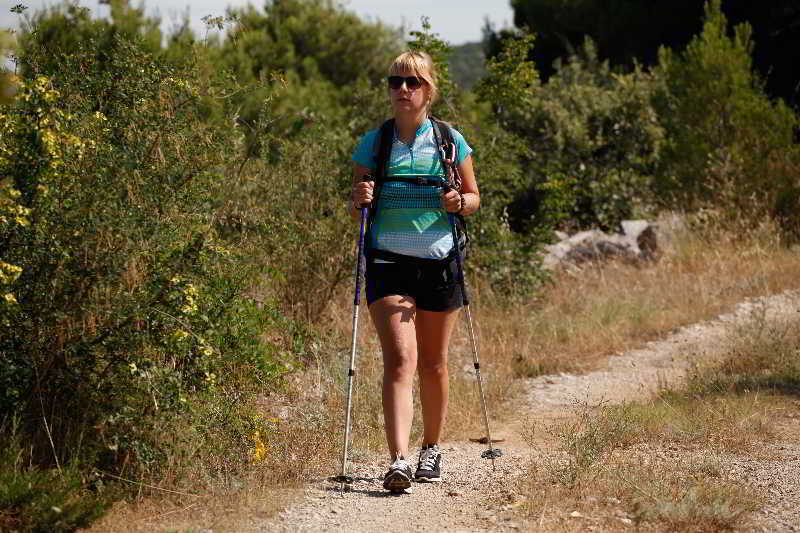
[[412, 82]]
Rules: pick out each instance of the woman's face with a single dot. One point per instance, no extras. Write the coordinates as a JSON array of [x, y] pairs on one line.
[[408, 100]]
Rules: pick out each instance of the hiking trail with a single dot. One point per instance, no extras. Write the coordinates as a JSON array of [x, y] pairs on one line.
[[472, 497]]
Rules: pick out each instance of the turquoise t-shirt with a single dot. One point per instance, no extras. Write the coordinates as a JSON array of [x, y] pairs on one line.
[[418, 230]]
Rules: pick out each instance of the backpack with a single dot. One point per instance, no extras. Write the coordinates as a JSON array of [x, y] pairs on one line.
[[443, 137]]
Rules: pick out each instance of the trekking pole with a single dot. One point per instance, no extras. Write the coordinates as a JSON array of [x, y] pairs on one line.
[[344, 478], [492, 452]]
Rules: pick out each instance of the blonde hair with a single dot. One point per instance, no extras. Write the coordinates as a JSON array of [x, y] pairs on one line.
[[421, 65]]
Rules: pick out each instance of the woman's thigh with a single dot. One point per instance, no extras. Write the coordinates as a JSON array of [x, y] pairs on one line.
[[394, 318], [433, 331]]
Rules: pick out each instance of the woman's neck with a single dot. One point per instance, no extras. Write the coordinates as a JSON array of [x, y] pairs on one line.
[[406, 126]]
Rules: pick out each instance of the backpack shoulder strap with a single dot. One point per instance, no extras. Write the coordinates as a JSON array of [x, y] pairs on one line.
[[383, 149], [443, 135], [448, 150], [442, 131]]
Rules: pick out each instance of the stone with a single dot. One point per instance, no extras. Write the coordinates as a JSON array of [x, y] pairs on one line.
[[637, 242]]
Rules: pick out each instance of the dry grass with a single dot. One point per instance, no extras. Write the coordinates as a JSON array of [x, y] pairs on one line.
[[210, 512], [660, 489], [602, 309], [575, 322], [652, 465], [661, 464]]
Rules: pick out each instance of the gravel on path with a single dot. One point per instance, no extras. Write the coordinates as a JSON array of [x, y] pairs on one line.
[[474, 498]]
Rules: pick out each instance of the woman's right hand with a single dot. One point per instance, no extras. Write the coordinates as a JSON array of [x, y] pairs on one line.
[[362, 193]]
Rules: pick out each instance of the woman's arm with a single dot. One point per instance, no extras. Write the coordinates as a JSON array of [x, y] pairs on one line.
[[361, 191], [469, 191]]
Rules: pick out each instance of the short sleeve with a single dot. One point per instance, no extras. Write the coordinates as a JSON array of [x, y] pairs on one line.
[[461, 144], [365, 154]]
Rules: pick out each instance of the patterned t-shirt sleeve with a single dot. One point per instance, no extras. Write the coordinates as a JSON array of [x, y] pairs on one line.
[[463, 148], [364, 154]]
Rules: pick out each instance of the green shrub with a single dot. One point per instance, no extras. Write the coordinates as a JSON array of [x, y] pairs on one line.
[[130, 306], [35, 500], [592, 138], [729, 147]]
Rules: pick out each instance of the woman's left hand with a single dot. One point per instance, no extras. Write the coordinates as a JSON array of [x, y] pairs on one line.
[[451, 201]]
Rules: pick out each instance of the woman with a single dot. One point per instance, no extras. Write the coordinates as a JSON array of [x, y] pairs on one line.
[[413, 304]]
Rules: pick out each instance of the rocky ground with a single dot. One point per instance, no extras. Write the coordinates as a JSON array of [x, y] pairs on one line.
[[473, 497]]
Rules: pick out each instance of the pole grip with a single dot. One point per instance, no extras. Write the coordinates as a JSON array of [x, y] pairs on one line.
[[360, 257], [462, 280]]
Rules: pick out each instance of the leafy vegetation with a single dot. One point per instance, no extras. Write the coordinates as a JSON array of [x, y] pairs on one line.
[[728, 146], [630, 33], [592, 137], [468, 64]]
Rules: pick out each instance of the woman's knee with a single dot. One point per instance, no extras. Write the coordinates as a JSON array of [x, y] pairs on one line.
[[399, 366], [433, 367]]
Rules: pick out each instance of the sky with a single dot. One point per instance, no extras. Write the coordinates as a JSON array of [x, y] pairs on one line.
[[456, 21]]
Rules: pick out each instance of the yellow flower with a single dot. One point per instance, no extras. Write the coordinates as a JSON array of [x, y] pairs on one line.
[[260, 448], [9, 298]]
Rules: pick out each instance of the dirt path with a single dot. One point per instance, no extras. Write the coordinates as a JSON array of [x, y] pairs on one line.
[[474, 498]]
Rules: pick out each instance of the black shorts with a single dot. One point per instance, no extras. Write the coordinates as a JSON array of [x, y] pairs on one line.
[[433, 286]]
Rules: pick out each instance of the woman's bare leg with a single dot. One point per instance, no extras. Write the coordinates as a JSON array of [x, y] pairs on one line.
[[394, 318], [433, 330]]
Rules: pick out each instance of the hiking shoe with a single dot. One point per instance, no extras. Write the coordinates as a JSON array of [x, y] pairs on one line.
[[429, 467], [398, 478]]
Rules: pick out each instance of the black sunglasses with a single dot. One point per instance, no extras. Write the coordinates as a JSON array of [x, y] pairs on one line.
[[412, 82]]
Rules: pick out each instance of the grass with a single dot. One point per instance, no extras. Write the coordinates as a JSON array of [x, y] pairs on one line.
[[584, 316], [574, 323], [663, 464]]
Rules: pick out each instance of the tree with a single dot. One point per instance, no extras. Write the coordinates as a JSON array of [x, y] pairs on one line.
[[340, 49], [60, 30], [729, 146], [630, 30]]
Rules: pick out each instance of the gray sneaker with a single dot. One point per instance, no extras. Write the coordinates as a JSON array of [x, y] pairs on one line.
[[398, 478], [429, 468]]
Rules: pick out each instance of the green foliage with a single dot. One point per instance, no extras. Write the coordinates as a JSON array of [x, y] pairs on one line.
[[50, 34], [629, 33], [729, 145], [511, 78], [341, 49], [591, 138], [35, 500], [315, 47], [130, 305], [504, 257], [597, 143], [467, 62], [294, 207]]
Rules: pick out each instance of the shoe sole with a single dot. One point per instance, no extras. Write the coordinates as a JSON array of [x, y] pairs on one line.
[[427, 479], [396, 482]]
